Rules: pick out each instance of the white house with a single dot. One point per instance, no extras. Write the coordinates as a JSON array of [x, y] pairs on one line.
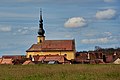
[[117, 61]]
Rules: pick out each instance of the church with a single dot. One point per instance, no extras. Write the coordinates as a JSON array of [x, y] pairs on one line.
[[45, 47]]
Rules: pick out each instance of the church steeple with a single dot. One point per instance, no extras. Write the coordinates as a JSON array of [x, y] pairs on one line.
[[41, 31]]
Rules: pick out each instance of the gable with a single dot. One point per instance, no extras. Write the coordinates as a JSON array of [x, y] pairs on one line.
[[117, 61]]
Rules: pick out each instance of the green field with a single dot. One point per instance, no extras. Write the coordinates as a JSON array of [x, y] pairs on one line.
[[60, 72]]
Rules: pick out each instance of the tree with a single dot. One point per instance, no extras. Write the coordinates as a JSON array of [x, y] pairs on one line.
[[97, 48]]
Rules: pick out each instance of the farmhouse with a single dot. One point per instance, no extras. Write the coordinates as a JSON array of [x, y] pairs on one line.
[[6, 61], [51, 47]]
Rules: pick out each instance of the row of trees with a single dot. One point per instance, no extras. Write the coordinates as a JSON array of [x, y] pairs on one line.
[[104, 50], [107, 50]]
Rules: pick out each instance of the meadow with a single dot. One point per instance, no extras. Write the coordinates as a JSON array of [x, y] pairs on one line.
[[60, 72]]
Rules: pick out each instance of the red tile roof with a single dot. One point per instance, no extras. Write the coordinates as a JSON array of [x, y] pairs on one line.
[[53, 45], [55, 58], [27, 62], [47, 58], [7, 61], [13, 56]]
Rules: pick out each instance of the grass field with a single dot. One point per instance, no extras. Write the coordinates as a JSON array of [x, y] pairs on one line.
[[60, 72]]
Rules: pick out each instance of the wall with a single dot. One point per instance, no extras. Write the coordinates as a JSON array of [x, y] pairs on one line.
[[69, 54]]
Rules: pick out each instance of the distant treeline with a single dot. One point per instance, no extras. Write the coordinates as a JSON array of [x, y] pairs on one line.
[[104, 50]]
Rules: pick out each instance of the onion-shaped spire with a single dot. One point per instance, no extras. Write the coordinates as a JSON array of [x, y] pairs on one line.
[[41, 31]]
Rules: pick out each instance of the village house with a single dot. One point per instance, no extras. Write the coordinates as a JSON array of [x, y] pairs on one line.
[[60, 59], [6, 61], [43, 47], [12, 59], [117, 61], [19, 57], [90, 57]]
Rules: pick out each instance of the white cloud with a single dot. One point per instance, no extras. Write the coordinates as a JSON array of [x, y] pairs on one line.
[[108, 33], [89, 34], [14, 14], [68, 36], [108, 0], [5, 28], [75, 22], [24, 30], [106, 14], [94, 41]]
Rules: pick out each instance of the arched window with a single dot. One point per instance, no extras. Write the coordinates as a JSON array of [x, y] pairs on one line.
[[30, 57], [65, 54], [40, 41]]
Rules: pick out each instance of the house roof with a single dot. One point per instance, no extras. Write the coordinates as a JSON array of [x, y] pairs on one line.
[[53, 45], [59, 58], [82, 56], [7, 61], [54, 58], [27, 62], [13, 56]]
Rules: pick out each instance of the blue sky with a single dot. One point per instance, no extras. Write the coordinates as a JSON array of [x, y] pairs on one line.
[[90, 22]]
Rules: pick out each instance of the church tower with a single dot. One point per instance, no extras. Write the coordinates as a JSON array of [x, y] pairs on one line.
[[51, 48], [41, 32]]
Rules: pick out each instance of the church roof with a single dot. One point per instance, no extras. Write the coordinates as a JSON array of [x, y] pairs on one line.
[[53, 45]]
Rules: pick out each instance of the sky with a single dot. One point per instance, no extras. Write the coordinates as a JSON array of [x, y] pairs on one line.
[[90, 22]]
